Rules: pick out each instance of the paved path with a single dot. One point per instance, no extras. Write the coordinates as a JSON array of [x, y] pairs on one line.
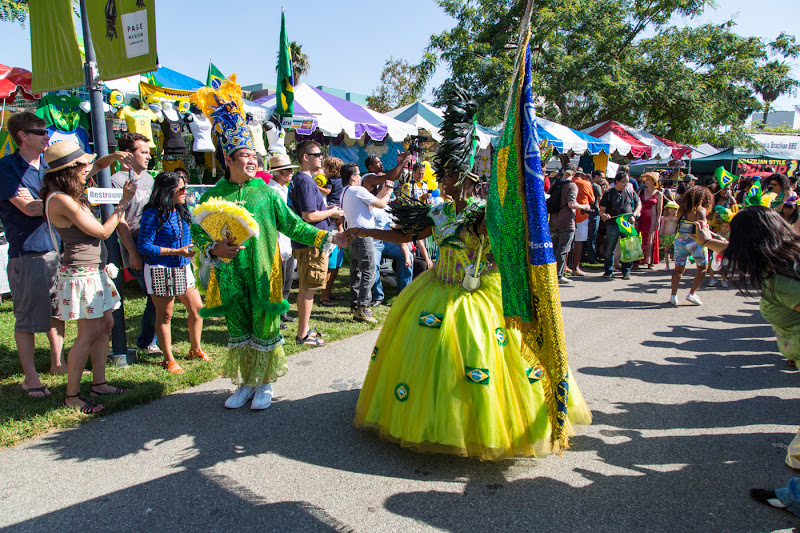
[[692, 405]]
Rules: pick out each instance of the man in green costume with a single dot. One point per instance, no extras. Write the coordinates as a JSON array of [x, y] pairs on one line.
[[250, 285]]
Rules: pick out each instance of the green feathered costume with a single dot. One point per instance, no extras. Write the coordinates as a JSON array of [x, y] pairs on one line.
[[251, 284]]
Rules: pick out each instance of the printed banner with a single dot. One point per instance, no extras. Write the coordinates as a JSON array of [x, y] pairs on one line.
[[779, 146], [760, 166], [155, 93], [56, 58], [124, 36]]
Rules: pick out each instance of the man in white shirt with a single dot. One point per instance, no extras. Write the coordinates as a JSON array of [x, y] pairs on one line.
[[282, 170], [357, 203]]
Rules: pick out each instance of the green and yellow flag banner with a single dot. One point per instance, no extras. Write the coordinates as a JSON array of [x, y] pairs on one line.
[[56, 58], [215, 77], [724, 178], [516, 218], [284, 101], [626, 226]]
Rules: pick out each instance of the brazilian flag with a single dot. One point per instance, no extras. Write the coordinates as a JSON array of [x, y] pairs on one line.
[[753, 194], [284, 100], [215, 77], [516, 219], [626, 226], [724, 178]]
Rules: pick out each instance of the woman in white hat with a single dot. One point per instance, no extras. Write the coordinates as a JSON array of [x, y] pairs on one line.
[[83, 290]]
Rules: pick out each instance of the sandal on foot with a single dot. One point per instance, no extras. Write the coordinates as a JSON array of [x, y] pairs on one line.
[[172, 367], [33, 390], [88, 408], [116, 391], [327, 303], [308, 340], [199, 354], [314, 333]]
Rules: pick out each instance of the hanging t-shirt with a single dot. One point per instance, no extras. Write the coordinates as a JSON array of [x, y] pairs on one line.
[[139, 121], [62, 112], [79, 136], [173, 138], [200, 127], [257, 133]]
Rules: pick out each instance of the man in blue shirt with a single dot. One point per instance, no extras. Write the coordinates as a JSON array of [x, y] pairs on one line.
[[312, 265], [32, 260]]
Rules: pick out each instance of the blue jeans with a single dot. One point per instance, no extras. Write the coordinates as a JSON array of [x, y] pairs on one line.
[[790, 495], [612, 237], [591, 242], [147, 337], [390, 250]]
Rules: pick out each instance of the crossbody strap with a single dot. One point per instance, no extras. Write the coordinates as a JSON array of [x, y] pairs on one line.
[[50, 225]]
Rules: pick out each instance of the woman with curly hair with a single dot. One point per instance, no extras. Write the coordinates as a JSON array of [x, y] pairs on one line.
[[696, 202], [84, 291], [780, 186], [165, 241]]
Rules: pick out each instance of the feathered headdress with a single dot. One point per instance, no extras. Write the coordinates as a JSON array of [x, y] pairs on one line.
[[224, 107], [459, 137]]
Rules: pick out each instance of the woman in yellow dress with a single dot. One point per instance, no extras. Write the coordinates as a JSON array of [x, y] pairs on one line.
[[446, 375]]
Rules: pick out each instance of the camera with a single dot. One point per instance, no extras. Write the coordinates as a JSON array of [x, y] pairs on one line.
[[414, 144], [687, 227]]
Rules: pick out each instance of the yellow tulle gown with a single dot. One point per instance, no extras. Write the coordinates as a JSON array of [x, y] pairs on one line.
[[447, 376]]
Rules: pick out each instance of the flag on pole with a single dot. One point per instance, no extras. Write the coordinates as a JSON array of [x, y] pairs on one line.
[[284, 101], [516, 219], [753, 194], [215, 77], [626, 226], [724, 178]]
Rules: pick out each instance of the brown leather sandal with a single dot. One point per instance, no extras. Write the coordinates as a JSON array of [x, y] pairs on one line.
[[172, 367], [199, 354]]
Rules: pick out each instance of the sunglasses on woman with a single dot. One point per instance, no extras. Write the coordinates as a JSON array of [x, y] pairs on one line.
[[181, 190]]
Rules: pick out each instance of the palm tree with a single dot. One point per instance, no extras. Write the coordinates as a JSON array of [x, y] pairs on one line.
[[300, 63], [772, 81], [11, 11]]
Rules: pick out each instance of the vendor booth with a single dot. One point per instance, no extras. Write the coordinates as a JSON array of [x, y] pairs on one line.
[[634, 143]]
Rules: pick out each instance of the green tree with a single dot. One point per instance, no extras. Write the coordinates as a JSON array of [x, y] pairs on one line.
[[11, 11], [772, 80], [399, 86], [300, 62], [597, 60]]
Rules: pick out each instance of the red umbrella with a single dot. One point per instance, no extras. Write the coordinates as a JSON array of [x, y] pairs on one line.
[[15, 80]]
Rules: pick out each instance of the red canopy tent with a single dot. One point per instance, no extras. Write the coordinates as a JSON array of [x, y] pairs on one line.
[[637, 144], [13, 81]]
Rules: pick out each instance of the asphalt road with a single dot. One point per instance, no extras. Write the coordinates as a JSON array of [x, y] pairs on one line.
[[692, 407]]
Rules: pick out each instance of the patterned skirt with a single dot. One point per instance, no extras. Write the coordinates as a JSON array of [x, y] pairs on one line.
[[84, 292]]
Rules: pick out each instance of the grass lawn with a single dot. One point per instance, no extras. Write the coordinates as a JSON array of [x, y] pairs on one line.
[[23, 418]]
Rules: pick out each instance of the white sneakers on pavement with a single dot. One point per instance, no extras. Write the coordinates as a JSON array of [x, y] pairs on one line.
[[673, 300], [240, 397], [262, 398], [693, 299]]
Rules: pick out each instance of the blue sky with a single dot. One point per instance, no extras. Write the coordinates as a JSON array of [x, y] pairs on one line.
[[348, 41]]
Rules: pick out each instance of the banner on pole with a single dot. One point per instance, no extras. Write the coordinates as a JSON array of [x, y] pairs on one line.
[[124, 36], [55, 56]]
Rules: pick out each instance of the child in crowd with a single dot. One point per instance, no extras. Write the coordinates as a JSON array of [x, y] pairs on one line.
[[668, 229], [716, 262]]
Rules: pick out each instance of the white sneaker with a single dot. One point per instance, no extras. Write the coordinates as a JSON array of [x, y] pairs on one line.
[[713, 283], [725, 284], [694, 299], [673, 300], [262, 398], [240, 397]]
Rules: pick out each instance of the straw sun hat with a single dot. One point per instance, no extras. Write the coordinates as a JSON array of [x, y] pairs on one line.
[[65, 154], [280, 162]]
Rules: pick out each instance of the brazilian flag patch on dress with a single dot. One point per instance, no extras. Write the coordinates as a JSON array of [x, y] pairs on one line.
[[374, 354], [401, 392], [477, 375], [430, 320], [501, 336], [535, 373]]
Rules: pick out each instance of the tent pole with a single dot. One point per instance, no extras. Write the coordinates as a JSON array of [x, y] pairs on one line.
[[119, 343]]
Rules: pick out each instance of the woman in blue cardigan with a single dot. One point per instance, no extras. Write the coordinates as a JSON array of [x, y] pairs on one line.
[[166, 244]]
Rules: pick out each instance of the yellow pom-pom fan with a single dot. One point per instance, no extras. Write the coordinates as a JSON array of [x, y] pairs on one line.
[[222, 220]]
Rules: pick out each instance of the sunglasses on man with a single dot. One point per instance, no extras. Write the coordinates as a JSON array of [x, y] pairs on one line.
[[37, 131]]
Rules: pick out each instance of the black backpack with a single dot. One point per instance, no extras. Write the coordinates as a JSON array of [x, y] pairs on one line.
[[554, 202]]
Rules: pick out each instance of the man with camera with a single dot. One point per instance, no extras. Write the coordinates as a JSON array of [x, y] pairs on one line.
[[376, 178], [618, 200]]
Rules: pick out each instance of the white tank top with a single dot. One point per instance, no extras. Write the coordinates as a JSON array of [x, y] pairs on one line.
[[201, 130]]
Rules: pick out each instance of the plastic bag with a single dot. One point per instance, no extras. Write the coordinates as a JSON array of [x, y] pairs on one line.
[[631, 248]]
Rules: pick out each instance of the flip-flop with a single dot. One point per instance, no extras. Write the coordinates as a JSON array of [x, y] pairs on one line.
[[116, 391], [42, 389], [327, 303], [308, 340]]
